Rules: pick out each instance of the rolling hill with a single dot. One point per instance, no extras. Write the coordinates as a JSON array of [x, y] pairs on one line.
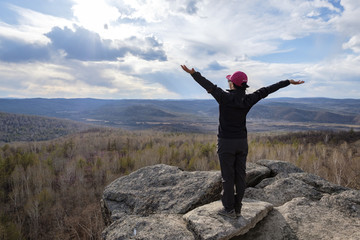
[[19, 127], [194, 115]]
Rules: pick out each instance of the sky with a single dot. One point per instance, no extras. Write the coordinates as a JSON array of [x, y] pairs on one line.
[[121, 49]]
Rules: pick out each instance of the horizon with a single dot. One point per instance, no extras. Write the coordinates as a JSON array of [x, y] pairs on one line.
[[106, 49], [168, 99]]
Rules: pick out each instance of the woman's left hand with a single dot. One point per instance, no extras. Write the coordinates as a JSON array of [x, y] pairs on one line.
[[190, 71]]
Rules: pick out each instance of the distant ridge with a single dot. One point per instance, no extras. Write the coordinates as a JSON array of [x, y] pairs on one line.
[[189, 115]]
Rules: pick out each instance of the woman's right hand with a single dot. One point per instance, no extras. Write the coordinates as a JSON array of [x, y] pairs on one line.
[[296, 82]]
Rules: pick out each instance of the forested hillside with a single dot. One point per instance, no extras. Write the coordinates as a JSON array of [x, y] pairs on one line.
[[52, 189], [194, 115], [18, 127]]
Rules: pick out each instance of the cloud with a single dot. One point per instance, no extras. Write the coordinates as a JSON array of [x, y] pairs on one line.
[[151, 11], [29, 26], [19, 51], [218, 31], [353, 44], [215, 66], [348, 22], [73, 78], [33, 79], [80, 44], [86, 45], [191, 7]]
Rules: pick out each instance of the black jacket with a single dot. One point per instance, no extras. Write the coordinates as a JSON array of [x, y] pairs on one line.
[[234, 105]]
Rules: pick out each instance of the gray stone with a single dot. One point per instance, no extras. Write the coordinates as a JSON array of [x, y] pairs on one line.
[[267, 181], [279, 167], [283, 188], [207, 224], [347, 202], [318, 183], [273, 227], [154, 227], [160, 189], [333, 217], [255, 173]]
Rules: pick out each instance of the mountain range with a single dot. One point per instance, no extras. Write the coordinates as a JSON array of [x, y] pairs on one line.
[[193, 115]]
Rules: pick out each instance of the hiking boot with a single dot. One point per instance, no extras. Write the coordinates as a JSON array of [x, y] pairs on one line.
[[238, 206], [229, 214]]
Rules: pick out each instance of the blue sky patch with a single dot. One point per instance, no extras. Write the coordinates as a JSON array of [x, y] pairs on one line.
[[312, 48]]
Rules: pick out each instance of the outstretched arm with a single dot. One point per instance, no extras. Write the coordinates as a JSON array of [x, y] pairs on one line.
[[199, 79], [261, 93], [215, 91]]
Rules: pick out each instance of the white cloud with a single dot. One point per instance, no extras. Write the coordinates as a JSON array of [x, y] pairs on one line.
[[340, 69], [150, 11], [348, 22], [128, 86], [21, 33], [76, 79], [353, 44], [221, 31], [39, 77], [31, 25]]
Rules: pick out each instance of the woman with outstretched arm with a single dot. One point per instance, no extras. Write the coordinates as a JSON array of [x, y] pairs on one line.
[[234, 104]]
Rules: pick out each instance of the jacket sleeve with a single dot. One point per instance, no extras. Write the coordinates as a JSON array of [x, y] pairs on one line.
[[211, 88], [252, 99]]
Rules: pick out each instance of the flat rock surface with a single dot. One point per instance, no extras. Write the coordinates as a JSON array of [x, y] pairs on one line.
[[207, 224], [154, 227]]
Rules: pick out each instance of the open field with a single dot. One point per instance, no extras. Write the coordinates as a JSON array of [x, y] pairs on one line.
[[283, 126]]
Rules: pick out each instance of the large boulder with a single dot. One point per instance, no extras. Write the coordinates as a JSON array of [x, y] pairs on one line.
[[283, 190], [290, 182], [160, 189]]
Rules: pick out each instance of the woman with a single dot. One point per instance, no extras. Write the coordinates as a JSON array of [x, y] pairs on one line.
[[234, 105]]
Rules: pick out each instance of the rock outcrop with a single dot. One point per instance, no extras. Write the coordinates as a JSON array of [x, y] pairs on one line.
[[281, 202], [160, 189]]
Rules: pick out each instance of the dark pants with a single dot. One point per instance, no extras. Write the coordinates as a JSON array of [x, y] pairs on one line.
[[232, 155]]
